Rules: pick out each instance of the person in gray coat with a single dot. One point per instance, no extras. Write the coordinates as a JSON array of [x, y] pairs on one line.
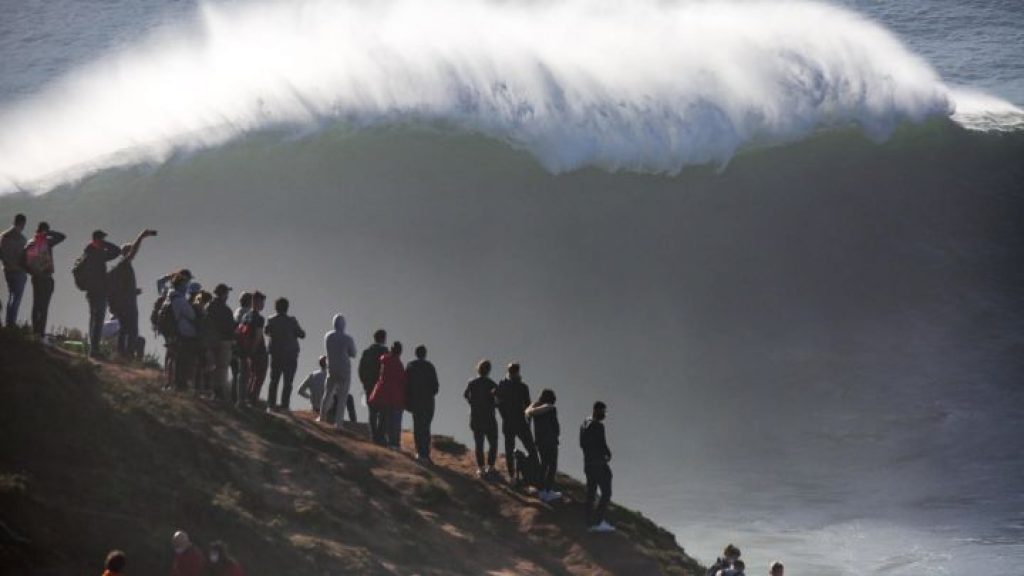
[[341, 348]]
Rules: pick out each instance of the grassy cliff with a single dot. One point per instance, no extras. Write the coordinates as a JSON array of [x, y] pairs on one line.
[[95, 457]]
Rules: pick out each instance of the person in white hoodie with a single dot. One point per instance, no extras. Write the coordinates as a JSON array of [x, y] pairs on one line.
[[341, 348]]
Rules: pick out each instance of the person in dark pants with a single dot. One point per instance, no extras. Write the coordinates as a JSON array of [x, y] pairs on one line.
[[596, 456], [12, 247], [480, 396], [513, 398], [239, 361], [94, 274], [186, 339], [369, 371], [39, 264], [421, 389], [123, 293], [546, 431], [255, 347], [284, 333]]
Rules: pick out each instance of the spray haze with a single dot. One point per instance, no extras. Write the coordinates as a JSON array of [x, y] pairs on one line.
[[645, 86]]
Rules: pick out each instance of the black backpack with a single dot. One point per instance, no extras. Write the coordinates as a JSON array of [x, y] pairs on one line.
[[166, 322], [527, 469], [80, 272]]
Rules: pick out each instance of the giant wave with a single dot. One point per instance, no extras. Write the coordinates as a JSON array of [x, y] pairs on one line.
[[644, 86]]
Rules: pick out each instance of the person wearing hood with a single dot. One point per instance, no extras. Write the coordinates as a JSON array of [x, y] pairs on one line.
[[115, 563], [341, 348], [388, 395], [188, 558], [39, 264], [221, 562]]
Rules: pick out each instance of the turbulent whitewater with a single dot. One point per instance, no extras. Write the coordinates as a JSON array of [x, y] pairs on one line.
[[642, 86]]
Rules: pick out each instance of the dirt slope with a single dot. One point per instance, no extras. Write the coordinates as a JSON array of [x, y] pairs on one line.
[[95, 457]]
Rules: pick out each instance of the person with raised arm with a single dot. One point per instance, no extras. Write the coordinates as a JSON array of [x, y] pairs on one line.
[[38, 262], [123, 292]]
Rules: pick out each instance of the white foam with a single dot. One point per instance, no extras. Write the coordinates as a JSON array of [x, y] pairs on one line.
[[641, 85]]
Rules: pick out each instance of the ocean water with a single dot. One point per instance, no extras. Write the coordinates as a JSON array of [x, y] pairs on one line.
[[780, 239]]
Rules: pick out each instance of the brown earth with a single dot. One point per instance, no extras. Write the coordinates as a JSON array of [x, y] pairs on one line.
[[96, 456]]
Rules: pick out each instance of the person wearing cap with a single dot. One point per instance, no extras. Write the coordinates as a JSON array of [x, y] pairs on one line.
[[115, 563], [189, 560], [12, 244], [38, 263], [123, 293], [221, 327], [313, 386], [94, 280]]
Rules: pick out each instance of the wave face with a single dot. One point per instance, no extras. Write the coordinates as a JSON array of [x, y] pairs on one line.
[[644, 86]]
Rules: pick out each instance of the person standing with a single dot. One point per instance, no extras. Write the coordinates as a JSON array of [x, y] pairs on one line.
[[546, 431], [513, 398], [12, 244], [39, 264], [596, 456], [239, 359], [480, 396], [776, 569], [313, 386], [254, 346], [115, 563], [341, 349], [123, 292], [284, 333], [221, 327], [188, 558], [730, 556], [421, 390], [91, 276], [388, 395], [186, 334], [369, 371]]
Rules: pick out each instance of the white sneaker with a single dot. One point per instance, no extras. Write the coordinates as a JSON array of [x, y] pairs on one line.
[[603, 528], [550, 496]]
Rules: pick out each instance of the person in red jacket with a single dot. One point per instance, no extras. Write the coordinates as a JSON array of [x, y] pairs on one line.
[[388, 395], [114, 566], [188, 558], [221, 563]]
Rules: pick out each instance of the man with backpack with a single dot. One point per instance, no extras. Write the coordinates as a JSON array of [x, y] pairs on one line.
[[596, 456], [513, 398], [12, 244], [369, 371], [38, 261], [90, 274], [123, 292]]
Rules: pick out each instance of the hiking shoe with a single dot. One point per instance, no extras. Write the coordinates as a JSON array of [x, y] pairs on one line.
[[480, 473], [603, 528]]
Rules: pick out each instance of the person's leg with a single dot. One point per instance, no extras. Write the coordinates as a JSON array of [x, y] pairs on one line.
[[350, 404], [330, 390], [222, 358], [377, 425], [605, 483], [276, 369], [510, 451], [549, 457], [259, 374], [478, 443], [591, 474], [340, 397], [97, 313], [184, 363], [428, 417], [130, 328], [492, 448], [42, 292], [396, 427], [16, 289], [290, 366]]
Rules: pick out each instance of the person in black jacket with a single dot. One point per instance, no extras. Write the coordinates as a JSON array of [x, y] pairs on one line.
[[420, 389], [513, 398], [221, 324], [40, 251], [596, 456], [546, 431], [480, 396], [369, 371], [94, 271], [123, 293]]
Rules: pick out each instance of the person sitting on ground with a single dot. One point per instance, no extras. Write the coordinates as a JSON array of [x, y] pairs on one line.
[[255, 347], [221, 562], [239, 361], [341, 349], [546, 431], [284, 333], [369, 371], [482, 421], [313, 386], [39, 265], [389, 395], [188, 558], [123, 292], [776, 569], [729, 557], [596, 456], [115, 563], [221, 327], [421, 390], [513, 397]]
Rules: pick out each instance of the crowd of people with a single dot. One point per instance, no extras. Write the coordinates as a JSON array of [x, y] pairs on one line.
[[226, 355]]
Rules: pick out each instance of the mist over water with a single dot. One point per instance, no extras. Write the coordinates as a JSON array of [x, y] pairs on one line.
[[812, 349]]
